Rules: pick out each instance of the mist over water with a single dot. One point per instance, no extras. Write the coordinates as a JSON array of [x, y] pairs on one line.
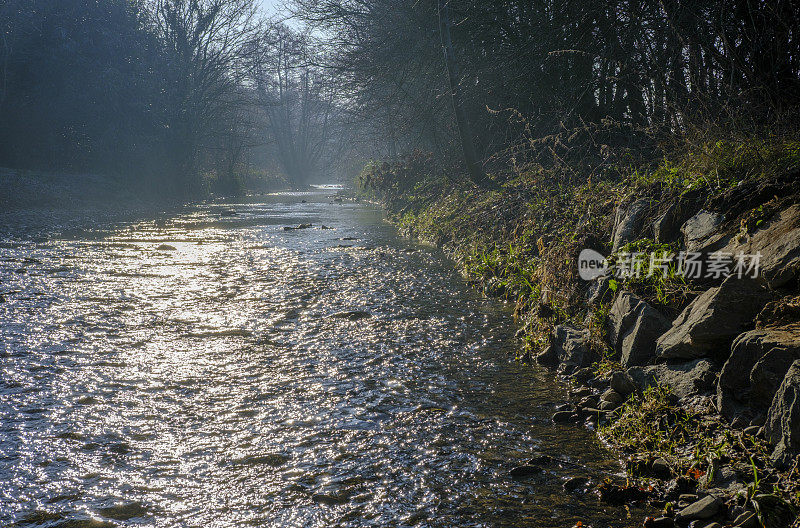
[[210, 368]]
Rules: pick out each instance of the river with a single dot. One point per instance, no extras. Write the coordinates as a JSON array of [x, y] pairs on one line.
[[208, 367]]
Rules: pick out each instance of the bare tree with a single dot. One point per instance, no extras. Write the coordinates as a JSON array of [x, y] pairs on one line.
[[299, 102], [208, 42]]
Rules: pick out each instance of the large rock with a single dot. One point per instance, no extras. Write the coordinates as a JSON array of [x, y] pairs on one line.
[[667, 227], [568, 350], [703, 509], [710, 323], [684, 379], [778, 242], [782, 428], [700, 231], [758, 362], [634, 327], [599, 290], [628, 223], [770, 370]]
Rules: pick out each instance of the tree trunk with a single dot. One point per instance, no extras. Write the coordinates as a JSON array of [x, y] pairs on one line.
[[474, 170]]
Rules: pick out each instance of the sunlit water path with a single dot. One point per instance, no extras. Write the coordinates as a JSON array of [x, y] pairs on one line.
[[220, 384]]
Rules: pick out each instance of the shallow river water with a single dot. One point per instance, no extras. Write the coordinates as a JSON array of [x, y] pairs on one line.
[[219, 384]]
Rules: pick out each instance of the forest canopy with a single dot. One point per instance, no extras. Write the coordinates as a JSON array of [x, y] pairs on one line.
[[174, 93]]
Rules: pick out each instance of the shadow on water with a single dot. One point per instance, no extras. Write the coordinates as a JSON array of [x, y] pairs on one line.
[[210, 368]]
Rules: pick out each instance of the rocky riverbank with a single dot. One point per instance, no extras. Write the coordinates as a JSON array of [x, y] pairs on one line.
[[685, 354]]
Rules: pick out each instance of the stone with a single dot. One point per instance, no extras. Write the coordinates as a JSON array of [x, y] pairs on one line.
[[700, 229], [782, 428], [719, 476], [525, 470], [767, 375], [660, 469], [575, 484], [329, 499], [782, 312], [612, 396], [548, 357], [621, 316], [571, 348], [667, 227], [710, 323], [634, 327], [542, 460], [352, 315], [608, 405], [301, 226], [565, 417], [778, 241], [628, 222], [684, 379], [582, 392], [746, 520], [598, 290], [166, 247], [775, 512], [705, 508], [659, 522], [622, 383], [583, 375], [739, 376]]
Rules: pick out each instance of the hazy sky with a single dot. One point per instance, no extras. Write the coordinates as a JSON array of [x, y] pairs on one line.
[[270, 6]]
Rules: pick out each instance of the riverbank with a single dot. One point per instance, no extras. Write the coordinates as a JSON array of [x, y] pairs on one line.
[[692, 378]]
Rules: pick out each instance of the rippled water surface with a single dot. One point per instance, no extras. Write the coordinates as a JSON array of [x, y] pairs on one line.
[[222, 383]]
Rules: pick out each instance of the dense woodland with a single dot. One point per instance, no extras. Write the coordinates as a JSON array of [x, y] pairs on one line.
[[180, 93]]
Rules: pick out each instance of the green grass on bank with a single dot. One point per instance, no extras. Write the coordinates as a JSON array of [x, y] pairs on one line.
[[522, 242]]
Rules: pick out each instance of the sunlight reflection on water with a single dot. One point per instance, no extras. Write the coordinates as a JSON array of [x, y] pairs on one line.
[[200, 369]]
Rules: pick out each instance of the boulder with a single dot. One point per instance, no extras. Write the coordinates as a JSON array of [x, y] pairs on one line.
[[570, 347], [700, 231], [782, 428], [548, 357], [612, 396], [574, 484], [622, 383], [719, 476], [782, 312], [628, 223], [667, 227], [524, 471], [778, 242], [705, 508], [564, 417], [634, 327], [684, 379], [710, 323], [758, 363], [768, 373], [598, 290]]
